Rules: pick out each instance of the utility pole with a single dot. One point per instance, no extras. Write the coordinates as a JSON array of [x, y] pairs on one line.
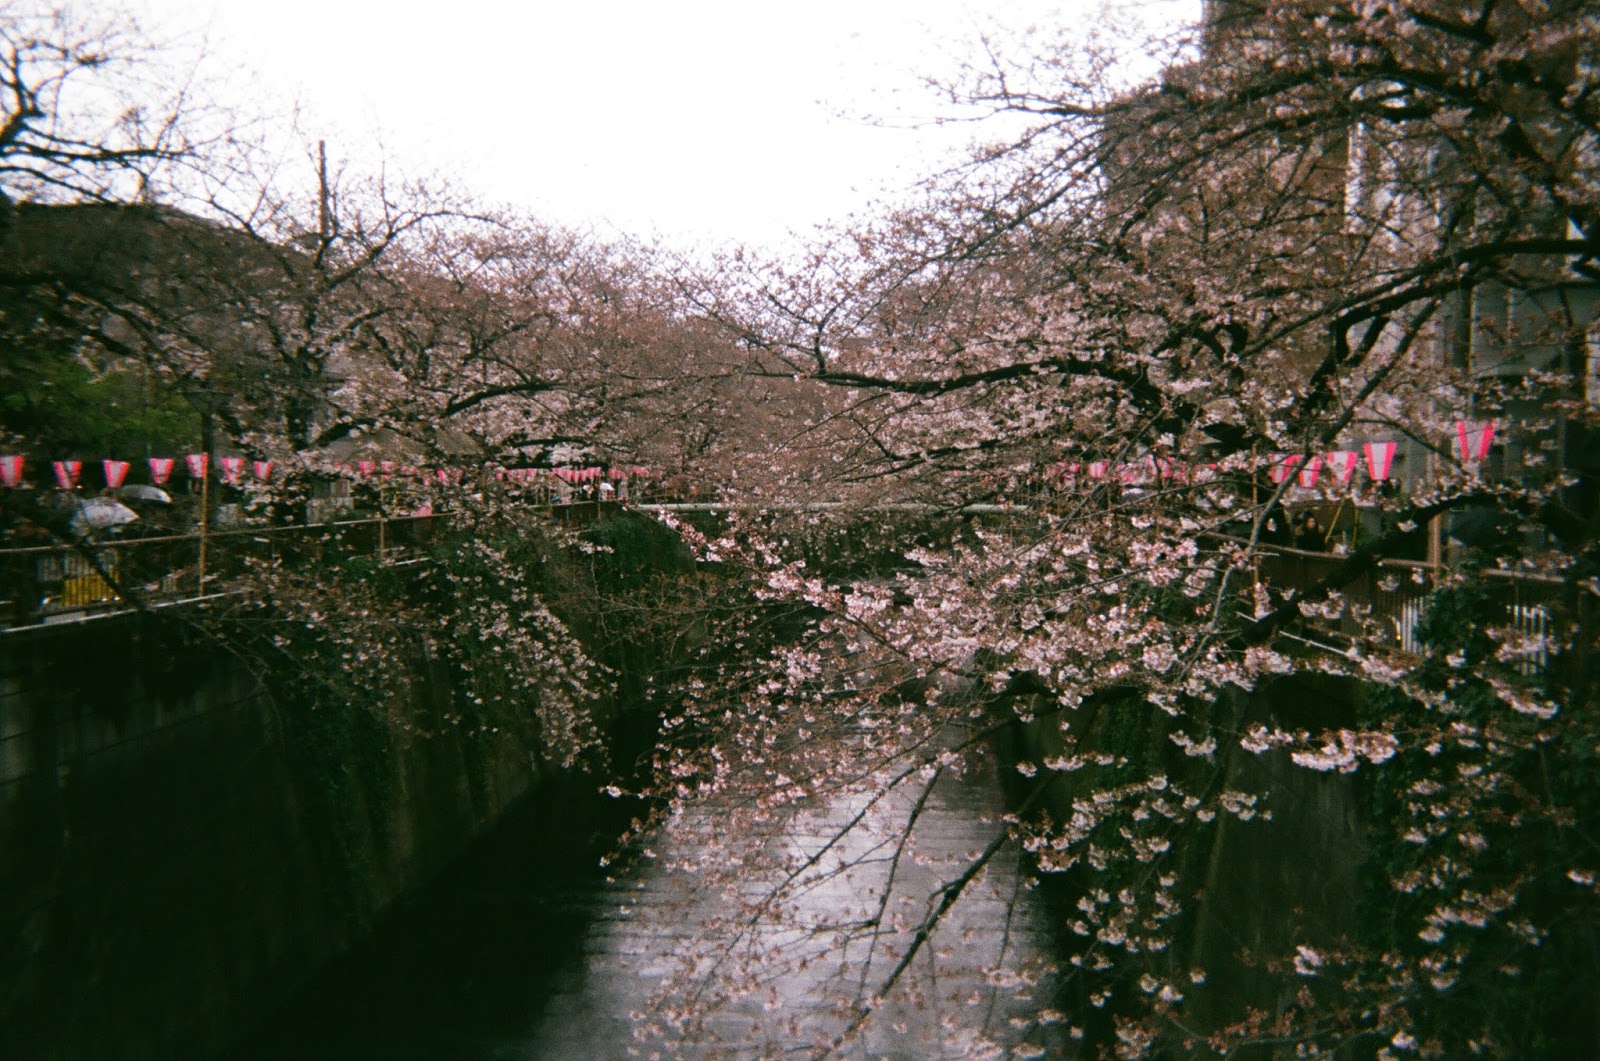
[[206, 400], [324, 218]]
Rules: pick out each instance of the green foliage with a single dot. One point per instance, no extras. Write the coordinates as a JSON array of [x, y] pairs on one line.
[[66, 408], [631, 551], [1454, 623], [1480, 845]]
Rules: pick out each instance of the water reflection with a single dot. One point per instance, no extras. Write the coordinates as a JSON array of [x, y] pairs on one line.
[[527, 952], [463, 971], [779, 986]]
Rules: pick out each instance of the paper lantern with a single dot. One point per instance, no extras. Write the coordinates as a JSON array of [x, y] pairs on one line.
[[1380, 458], [1342, 462], [1283, 466], [1474, 440]]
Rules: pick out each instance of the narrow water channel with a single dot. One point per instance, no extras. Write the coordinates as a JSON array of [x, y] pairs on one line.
[[527, 951], [464, 970]]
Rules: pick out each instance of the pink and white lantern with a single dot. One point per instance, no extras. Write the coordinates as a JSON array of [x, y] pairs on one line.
[[1380, 459], [1474, 440], [1283, 466], [199, 464], [67, 473], [1310, 471], [116, 472], [1342, 464], [11, 470], [161, 470]]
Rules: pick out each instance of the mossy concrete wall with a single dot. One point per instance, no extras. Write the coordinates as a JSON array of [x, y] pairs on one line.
[[176, 854]]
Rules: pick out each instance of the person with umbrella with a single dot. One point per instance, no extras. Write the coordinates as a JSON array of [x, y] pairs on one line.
[[100, 514]]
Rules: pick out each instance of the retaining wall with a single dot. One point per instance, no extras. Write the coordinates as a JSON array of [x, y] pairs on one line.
[[176, 854]]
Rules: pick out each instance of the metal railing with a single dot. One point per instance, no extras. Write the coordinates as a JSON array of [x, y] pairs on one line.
[[54, 583], [59, 582], [1384, 605]]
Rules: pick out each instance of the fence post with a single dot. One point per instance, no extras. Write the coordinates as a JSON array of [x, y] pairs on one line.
[[205, 522]]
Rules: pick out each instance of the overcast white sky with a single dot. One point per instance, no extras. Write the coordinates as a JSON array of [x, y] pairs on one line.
[[701, 121]]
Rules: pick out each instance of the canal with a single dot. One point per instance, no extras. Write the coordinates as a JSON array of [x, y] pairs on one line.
[[528, 950]]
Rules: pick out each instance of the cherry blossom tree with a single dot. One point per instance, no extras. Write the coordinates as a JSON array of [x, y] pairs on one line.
[[82, 123], [144, 233], [1325, 223], [80, 117]]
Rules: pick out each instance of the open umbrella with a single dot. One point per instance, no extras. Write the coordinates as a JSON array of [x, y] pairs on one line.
[[144, 492], [99, 513]]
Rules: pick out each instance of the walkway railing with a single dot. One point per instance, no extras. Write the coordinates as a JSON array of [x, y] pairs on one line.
[[62, 582], [1386, 603], [1383, 605], [59, 582]]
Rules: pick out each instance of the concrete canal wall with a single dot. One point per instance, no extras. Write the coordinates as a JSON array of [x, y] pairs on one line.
[[1289, 875], [176, 854]]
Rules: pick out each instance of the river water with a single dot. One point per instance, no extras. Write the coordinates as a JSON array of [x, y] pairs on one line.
[[527, 950]]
